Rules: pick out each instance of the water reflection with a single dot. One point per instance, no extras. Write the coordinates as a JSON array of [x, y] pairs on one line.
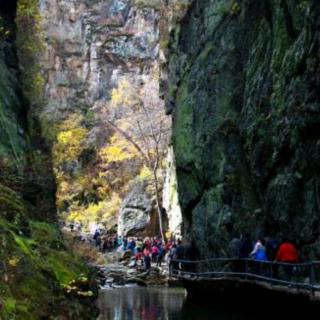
[[155, 304]]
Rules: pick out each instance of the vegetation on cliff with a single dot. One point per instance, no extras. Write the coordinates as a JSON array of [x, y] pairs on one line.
[[39, 277], [100, 82], [244, 92], [133, 147]]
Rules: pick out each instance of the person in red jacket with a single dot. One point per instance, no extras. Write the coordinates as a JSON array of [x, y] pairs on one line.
[[287, 253]]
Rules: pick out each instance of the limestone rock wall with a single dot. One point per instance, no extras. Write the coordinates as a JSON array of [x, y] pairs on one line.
[[170, 196], [34, 264], [137, 213], [90, 45]]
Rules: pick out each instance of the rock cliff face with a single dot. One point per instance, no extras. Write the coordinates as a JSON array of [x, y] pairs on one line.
[[244, 87], [91, 45], [34, 265], [170, 196], [92, 49], [21, 144], [137, 214]]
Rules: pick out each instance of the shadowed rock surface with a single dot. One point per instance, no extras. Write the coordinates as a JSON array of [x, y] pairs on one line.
[[244, 87]]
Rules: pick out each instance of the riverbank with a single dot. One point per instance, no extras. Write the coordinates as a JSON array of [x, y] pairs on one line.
[[116, 268], [121, 272], [41, 277]]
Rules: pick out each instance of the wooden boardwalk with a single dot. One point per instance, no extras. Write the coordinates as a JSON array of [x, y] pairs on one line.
[[284, 276]]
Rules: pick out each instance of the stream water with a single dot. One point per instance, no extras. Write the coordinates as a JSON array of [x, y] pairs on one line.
[[136, 303]]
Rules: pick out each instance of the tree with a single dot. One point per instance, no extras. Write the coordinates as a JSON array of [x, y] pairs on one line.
[[137, 114]]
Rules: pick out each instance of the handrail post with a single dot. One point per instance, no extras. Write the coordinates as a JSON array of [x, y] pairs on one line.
[[271, 270], [246, 268], [312, 278]]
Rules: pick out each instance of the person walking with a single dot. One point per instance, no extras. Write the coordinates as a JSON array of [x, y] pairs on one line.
[[234, 253], [97, 239], [161, 254], [246, 246], [146, 258], [259, 253], [288, 254]]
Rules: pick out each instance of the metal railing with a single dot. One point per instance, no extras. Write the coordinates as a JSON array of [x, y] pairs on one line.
[[299, 275]]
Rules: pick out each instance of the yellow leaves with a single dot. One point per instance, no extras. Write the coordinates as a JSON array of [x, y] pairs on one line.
[[121, 94], [169, 234], [70, 141], [73, 121], [103, 211], [145, 173], [64, 187], [114, 153], [64, 192], [69, 144], [117, 150], [76, 215], [85, 293], [114, 205], [72, 136], [76, 287], [71, 188], [96, 209], [13, 261]]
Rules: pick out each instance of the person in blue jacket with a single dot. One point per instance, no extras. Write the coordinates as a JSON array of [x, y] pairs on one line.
[[259, 253]]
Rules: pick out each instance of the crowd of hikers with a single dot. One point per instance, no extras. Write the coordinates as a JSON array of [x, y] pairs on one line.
[[147, 250], [153, 250], [261, 250]]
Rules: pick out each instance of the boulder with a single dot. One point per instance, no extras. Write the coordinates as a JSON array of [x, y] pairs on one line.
[[138, 281], [137, 214], [110, 280], [132, 263]]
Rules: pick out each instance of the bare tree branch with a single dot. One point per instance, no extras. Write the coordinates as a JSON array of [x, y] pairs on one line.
[[129, 139]]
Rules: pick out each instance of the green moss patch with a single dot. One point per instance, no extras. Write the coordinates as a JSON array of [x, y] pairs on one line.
[[155, 4], [36, 273]]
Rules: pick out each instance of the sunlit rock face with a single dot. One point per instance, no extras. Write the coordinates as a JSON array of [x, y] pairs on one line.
[[170, 196], [244, 88], [90, 46], [137, 215]]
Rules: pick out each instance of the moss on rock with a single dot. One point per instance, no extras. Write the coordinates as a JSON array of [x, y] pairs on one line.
[[246, 109], [36, 269], [37, 273]]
